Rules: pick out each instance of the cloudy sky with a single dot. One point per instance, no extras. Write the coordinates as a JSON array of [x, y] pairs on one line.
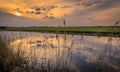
[[53, 12]]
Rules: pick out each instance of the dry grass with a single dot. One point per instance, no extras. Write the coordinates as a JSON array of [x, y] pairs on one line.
[[10, 62]]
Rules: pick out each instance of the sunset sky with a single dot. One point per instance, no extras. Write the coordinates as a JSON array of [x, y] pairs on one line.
[[20, 13]]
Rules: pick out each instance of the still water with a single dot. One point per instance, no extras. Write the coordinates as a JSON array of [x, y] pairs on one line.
[[80, 52]]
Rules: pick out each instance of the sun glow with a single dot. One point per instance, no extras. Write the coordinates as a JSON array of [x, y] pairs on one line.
[[18, 14]]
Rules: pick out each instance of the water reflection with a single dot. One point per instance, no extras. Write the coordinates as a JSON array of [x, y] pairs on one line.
[[80, 52]]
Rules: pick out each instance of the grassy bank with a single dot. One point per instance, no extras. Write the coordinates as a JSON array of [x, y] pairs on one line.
[[68, 29], [102, 31]]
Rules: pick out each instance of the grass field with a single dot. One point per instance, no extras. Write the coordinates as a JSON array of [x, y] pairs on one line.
[[68, 29], [104, 31]]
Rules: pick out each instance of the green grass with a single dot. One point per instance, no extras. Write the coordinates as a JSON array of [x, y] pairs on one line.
[[91, 31], [70, 29]]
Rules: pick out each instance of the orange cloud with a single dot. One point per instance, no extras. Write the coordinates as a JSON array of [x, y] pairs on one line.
[[47, 8]]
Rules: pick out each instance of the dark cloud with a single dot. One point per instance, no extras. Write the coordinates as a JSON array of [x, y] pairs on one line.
[[90, 3], [48, 17], [37, 13], [32, 12], [7, 19], [37, 9], [27, 11], [4, 14], [51, 17], [66, 6], [98, 6], [101, 4], [72, 0], [44, 9], [78, 4], [52, 7]]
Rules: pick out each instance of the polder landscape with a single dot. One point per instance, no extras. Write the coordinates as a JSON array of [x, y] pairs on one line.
[[59, 36]]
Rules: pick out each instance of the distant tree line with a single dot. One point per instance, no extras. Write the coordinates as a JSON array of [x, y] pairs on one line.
[[3, 27]]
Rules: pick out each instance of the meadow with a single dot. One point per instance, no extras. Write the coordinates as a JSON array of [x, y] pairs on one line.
[[103, 31]]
